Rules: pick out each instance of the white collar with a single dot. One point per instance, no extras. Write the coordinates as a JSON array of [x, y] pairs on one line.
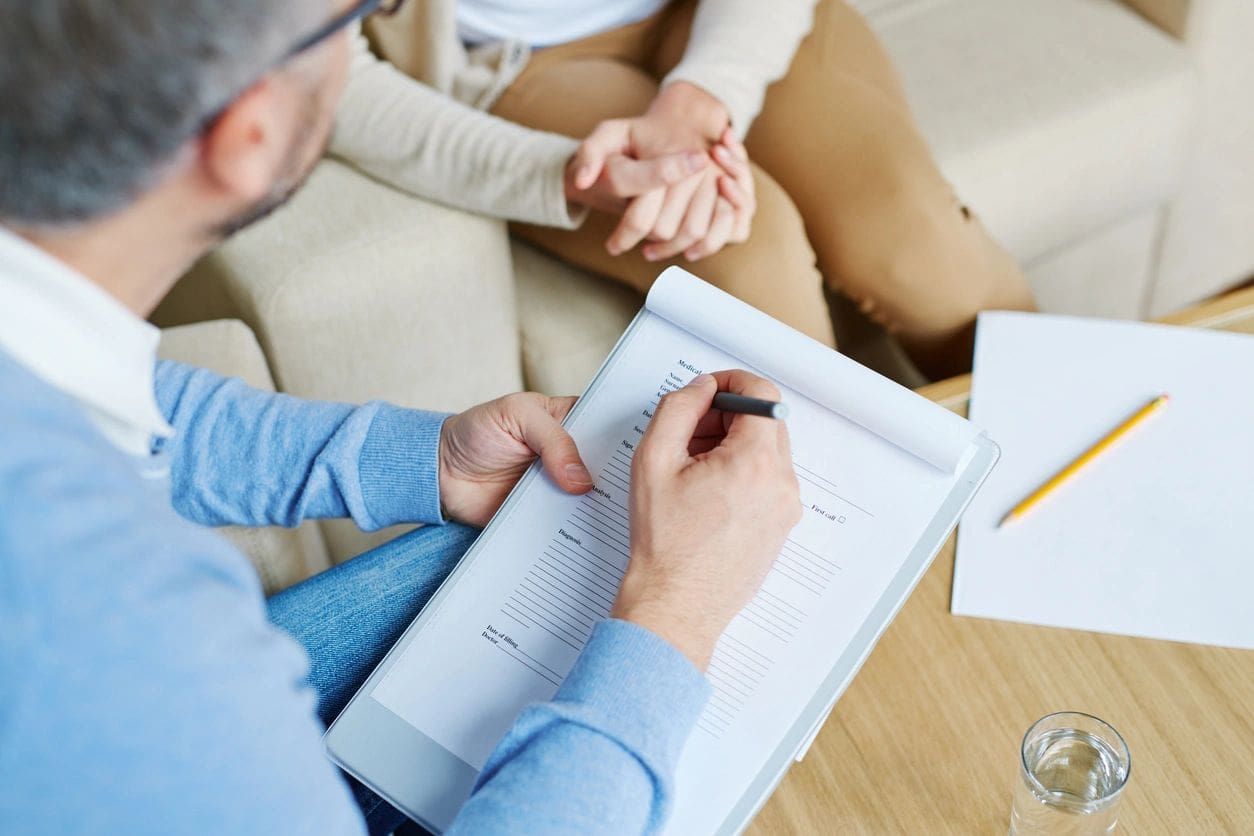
[[79, 339]]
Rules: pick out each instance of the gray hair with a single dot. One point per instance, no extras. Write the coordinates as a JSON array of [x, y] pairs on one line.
[[96, 95]]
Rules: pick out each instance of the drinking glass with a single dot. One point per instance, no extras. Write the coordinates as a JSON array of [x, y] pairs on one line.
[[1072, 771]]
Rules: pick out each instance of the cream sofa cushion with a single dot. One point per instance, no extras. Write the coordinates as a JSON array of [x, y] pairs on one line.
[[1053, 119], [569, 320]]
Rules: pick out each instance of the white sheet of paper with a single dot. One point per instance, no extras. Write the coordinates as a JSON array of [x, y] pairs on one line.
[[1156, 537], [518, 618]]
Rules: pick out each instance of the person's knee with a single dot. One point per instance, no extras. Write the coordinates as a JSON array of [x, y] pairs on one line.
[[777, 259], [916, 260], [775, 270]]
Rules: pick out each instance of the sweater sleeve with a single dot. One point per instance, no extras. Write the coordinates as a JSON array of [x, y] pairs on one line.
[[415, 138], [739, 47], [241, 456], [600, 757], [142, 690]]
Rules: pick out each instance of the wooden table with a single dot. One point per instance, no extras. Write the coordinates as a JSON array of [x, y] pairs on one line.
[[926, 739]]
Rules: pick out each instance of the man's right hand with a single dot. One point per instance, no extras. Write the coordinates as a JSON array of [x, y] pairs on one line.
[[713, 497]]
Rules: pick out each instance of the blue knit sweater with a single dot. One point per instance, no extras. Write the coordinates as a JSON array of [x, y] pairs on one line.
[[142, 689]]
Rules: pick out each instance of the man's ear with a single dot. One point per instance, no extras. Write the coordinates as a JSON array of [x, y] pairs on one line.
[[243, 151]]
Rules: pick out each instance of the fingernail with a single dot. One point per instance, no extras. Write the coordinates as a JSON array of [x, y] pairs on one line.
[[649, 255], [578, 474], [581, 176], [702, 380], [721, 152], [695, 160], [691, 255]]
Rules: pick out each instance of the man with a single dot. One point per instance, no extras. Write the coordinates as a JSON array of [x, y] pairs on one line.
[[142, 688]]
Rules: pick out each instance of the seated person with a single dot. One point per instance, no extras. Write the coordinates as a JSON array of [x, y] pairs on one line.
[[142, 687], [848, 197]]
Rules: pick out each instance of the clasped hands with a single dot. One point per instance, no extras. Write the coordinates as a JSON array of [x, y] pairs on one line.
[[678, 176], [713, 496]]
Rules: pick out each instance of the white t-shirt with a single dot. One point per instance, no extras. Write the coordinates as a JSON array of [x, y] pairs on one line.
[[546, 22]]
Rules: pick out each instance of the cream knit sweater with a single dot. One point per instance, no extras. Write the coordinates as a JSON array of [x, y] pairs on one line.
[[434, 140]]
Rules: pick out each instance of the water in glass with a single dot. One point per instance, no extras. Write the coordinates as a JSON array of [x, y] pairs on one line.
[[1069, 784]]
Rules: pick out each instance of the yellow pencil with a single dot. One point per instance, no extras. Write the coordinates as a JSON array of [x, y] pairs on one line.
[[1088, 456]]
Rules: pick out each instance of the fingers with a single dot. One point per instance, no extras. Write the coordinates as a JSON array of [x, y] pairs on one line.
[[737, 185], [734, 159], [730, 162], [542, 431], [685, 425], [713, 425], [741, 226], [741, 382], [695, 227], [742, 213], [678, 199], [731, 142], [636, 222], [665, 443], [613, 136], [728, 188], [559, 408], [719, 234], [748, 432], [784, 444], [628, 177]]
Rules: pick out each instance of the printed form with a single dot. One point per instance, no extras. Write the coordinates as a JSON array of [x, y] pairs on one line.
[[526, 604]]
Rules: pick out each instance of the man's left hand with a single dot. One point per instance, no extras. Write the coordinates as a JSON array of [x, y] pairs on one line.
[[484, 451]]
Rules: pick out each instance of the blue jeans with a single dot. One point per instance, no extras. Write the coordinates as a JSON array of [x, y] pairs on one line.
[[349, 616]]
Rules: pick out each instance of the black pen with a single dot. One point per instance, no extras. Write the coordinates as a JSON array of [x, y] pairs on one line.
[[744, 405]]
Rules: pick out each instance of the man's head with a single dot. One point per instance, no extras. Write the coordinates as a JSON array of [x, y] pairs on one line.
[[106, 105]]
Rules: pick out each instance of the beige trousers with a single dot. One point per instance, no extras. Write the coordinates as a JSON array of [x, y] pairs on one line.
[[848, 193]]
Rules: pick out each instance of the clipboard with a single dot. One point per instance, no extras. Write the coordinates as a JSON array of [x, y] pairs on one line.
[[412, 763]]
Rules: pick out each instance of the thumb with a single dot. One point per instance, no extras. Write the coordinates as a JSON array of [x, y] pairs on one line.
[[613, 136], [558, 454], [675, 421], [630, 177]]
